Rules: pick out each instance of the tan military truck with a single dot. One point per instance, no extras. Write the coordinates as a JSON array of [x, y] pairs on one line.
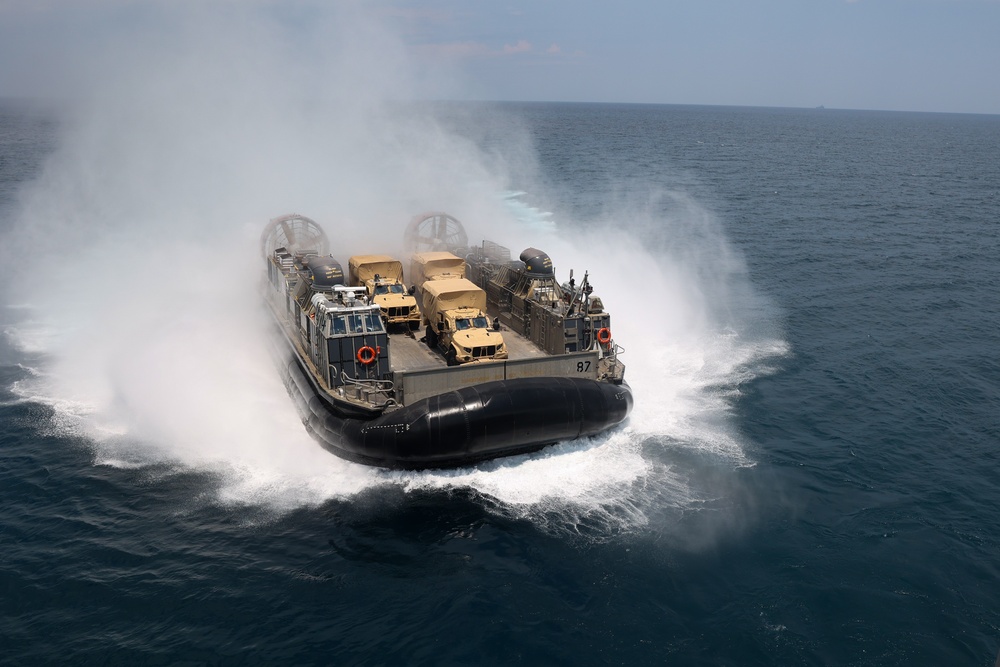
[[435, 265], [455, 315], [383, 277]]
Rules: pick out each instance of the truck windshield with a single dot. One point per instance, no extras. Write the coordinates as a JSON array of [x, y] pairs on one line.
[[395, 288], [480, 323], [462, 323]]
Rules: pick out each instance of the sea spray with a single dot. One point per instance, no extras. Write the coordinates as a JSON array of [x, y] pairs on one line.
[[136, 245], [669, 279], [137, 248]]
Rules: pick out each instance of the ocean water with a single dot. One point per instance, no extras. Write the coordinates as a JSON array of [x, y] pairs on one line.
[[809, 305]]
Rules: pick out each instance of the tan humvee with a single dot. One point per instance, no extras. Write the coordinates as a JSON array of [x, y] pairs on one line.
[[383, 277], [455, 315]]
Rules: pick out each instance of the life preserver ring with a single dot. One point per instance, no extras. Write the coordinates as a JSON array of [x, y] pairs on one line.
[[604, 335], [367, 355]]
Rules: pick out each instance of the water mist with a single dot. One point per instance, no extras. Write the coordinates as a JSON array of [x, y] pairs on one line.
[[144, 268]]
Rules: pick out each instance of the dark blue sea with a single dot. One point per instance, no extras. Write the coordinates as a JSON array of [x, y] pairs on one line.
[[809, 300]]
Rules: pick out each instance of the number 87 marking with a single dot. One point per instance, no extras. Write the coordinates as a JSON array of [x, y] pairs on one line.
[[582, 366]]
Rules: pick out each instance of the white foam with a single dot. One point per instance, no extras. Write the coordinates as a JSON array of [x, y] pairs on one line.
[[30, 370]]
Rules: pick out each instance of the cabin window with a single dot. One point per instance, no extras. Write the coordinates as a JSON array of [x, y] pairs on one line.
[[462, 324], [354, 324], [480, 323], [338, 325], [373, 322]]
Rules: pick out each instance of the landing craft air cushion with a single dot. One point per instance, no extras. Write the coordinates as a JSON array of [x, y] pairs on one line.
[[511, 360]]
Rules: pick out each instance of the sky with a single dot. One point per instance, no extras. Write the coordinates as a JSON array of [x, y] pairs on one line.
[[913, 55]]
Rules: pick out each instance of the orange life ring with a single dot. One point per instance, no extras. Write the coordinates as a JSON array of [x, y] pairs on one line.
[[367, 355], [604, 335]]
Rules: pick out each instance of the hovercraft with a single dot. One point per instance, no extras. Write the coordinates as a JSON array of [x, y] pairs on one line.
[[509, 361]]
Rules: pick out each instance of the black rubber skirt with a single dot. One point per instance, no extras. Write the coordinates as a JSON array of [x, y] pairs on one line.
[[465, 426]]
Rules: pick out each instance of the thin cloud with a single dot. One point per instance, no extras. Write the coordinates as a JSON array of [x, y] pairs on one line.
[[523, 46], [472, 49], [414, 14], [455, 50]]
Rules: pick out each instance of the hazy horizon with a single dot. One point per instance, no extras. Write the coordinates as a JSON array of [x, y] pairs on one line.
[[70, 101], [892, 55]]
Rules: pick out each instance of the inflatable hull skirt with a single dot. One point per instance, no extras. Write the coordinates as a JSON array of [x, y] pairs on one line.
[[465, 426]]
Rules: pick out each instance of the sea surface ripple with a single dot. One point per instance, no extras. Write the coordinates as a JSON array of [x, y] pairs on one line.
[[811, 474]]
